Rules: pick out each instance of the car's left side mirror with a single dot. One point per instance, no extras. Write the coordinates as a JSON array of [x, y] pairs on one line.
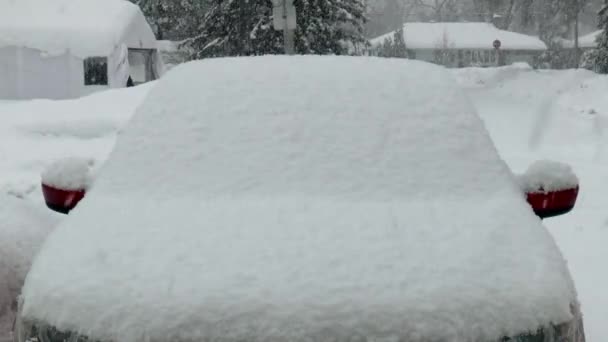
[[551, 188]]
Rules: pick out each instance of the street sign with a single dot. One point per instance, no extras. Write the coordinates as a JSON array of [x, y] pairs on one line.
[[284, 15], [497, 44]]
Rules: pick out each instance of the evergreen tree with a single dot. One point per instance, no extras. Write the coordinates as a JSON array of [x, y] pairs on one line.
[[555, 19], [329, 26], [173, 19], [600, 60], [393, 46], [244, 27]]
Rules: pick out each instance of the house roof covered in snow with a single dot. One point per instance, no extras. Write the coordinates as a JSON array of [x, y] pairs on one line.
[[462, 36], [83, 28], [587, 41], [338, 198]]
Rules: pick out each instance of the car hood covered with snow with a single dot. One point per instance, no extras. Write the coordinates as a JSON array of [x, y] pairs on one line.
[[303, 198]]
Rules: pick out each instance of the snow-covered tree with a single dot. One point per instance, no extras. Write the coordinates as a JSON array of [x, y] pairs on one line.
[[173, 19], [329, 26], [555, 20], [600, 58], [244, 27], [393, 46]]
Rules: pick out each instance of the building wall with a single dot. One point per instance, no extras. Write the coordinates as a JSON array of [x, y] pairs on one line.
[[8, 70], [29, 73], [454, 58], [518, 56]]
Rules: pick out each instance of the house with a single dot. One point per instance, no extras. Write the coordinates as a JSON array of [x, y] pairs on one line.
[[586, 42], [61, 49], [464, 44]]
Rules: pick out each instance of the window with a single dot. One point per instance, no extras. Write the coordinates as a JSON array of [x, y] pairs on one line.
[[96, 71], [141, 65]]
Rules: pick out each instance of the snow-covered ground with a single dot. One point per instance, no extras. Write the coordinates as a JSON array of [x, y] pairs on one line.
[[532, 115]]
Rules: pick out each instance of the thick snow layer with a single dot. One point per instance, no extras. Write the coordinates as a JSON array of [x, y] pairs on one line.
[[337, 198], [33, 134], [69, 174], [462, 36], [83, 28], [23, 228], [545, 175], [557, 115], [586, 41]]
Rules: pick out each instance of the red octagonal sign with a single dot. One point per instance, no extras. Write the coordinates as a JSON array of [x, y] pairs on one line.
[[497, 44]]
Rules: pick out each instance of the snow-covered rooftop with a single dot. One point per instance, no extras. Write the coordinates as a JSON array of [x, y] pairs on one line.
[[337, 198], [462, 36], [588, 40], [83, 27]]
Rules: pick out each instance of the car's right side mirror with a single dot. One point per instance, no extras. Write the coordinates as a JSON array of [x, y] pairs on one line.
[[551, 188]]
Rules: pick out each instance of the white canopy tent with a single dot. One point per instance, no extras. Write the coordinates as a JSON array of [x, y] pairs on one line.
[[67, 48]]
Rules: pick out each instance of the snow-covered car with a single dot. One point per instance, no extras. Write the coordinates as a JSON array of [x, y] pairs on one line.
[[302, 199]]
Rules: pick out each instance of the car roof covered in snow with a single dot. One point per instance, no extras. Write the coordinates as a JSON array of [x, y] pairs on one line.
[[84, 28], [303, 198], [462, 36]]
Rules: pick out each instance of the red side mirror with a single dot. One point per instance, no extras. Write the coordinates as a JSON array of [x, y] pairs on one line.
[[64, 183], [62, 201], [551, 188], [553, 203]]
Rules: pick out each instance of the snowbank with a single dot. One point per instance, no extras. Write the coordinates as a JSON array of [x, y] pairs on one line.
[[69, 174], [489, 77], [462, 36], [84, 28], [23, 228], [316, 207], [574, 121], [33, 134], [547, 176]]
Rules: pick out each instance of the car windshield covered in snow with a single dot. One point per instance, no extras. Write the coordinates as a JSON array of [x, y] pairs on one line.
[[302, 199]]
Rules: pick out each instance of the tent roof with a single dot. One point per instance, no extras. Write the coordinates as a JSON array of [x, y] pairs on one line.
[[462, 36], [85, 28]]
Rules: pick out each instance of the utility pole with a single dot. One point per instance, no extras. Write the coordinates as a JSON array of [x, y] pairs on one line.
[[577, 51], [285, 19], [288, 34]]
